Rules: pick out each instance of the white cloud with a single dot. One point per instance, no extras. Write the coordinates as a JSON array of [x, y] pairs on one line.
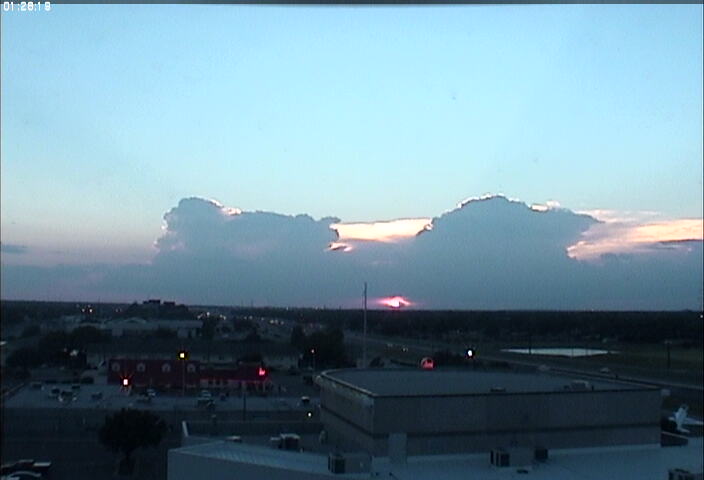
[[490, 252], [619, 237]]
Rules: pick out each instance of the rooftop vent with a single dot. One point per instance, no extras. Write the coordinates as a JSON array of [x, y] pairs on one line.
[[349, 463], [579, 386], [289, 441], [680, 474], [511, 457]]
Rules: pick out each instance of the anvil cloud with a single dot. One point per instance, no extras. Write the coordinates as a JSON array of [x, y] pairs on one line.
[[489, 252]]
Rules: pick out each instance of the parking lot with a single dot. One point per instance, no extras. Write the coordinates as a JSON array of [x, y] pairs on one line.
[[285, 395], [58, 422]]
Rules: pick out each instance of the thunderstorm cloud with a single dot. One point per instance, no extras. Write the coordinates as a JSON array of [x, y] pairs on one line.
[[488, 253]]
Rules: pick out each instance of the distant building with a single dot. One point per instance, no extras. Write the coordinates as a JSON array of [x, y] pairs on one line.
[[222, 353], [171, 373], [138, 326]]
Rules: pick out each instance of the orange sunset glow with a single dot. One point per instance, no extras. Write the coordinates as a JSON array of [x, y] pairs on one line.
[[390, 231], [395, 302]]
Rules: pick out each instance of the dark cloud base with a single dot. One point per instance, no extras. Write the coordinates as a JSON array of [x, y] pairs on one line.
[[491, 253]]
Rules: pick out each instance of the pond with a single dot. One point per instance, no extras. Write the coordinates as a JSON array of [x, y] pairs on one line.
[[560, 351]]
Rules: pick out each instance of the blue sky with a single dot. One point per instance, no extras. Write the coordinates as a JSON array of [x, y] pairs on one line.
[[112, 114]]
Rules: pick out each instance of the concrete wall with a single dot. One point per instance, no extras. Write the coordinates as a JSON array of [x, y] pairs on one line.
[[254, 428], [480, 422], [513, 412], [349, 404]]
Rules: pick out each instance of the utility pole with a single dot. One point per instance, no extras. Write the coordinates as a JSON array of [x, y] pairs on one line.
[[668, 344], [364, 337], [244, 401]]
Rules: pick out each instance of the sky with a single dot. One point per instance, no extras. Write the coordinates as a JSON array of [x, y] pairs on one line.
[[112, 115]]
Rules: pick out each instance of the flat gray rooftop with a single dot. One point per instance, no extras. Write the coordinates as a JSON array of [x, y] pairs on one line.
[[608, 463], [417, 382]]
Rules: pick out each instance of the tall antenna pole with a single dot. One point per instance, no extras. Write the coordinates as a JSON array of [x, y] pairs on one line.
[[364, 340]]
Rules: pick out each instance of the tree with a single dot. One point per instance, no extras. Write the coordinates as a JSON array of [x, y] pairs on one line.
[[128, 430], [253, 337], [325, 348], [25, 358], [254, 357], [82, 336], [31, 331], [298, 338], [207, 331], [162, 332]]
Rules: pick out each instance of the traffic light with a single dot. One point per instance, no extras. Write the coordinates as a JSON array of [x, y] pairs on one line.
[[261, 372]]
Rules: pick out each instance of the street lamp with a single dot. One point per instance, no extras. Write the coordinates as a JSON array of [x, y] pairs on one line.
[[183, 356], [312, 352], [668, 345]]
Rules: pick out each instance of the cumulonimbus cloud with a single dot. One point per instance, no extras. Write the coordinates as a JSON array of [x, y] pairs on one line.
[[489, 252]]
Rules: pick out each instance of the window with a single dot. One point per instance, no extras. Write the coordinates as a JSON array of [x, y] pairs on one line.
[[115, 367], [166, 368], [191, 368], [141, 367]]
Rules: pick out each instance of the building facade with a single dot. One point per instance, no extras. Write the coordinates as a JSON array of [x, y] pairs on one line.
[[173, 373], [414, 412]]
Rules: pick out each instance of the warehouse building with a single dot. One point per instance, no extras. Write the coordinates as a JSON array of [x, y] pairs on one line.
[[457, 424], [400, 412]]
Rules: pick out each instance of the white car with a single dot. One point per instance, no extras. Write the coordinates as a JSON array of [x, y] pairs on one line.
[[23, 475]]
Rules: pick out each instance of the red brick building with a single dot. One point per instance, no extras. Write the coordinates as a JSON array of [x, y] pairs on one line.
[[172, 373]]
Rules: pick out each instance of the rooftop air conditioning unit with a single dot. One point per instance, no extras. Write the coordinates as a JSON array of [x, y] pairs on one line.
[[680, 474], [336, 463], [499, 458], [349, 463], [511, 457], [541, 454], [290, 441]]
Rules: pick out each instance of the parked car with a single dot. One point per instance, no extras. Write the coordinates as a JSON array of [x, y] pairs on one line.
[[24, 475]]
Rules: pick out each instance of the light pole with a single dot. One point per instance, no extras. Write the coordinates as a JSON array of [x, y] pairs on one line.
[[183, 356], [364, 336], [244, 401]]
